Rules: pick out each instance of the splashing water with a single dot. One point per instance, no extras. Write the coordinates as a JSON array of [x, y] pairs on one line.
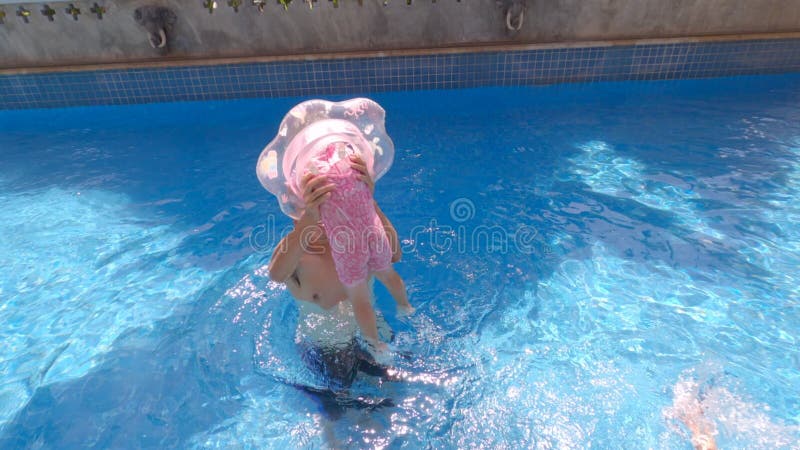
[[715, 412]]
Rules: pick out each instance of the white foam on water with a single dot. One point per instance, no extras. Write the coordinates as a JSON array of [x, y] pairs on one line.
[[715, 411]]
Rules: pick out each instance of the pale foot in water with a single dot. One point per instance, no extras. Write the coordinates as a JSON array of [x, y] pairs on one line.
[[381, 353], [405, 310], [687, 407]]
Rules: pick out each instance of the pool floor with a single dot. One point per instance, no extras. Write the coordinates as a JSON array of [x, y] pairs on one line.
[[583, 258]]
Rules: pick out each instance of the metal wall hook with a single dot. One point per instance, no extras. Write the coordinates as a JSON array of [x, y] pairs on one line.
[[515, 13], [519, 19], [73, 11], [235, 4], [48, 12], [24, 14], [162, 39]]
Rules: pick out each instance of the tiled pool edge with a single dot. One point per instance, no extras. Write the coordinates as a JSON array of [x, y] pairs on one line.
[[443, 69]]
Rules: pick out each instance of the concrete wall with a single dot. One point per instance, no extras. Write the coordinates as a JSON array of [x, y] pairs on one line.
[[350, 27]]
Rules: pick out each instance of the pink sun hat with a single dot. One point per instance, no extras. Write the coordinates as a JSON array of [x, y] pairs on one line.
[[310, 127]]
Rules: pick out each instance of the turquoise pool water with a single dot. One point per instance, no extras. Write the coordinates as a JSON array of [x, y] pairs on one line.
[[574, 254]]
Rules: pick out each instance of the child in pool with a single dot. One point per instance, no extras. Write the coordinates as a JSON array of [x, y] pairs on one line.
[[346, 144], [359, 245]]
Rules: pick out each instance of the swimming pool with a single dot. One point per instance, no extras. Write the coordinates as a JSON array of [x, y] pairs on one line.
[[573, 253]]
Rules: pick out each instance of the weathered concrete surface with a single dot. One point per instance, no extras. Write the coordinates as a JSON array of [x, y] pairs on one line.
[[198, 34]]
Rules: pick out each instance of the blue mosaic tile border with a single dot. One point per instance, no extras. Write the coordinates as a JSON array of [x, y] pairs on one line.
[[393, 73]]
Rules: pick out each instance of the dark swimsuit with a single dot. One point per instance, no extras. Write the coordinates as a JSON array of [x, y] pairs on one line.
[[338, 366]]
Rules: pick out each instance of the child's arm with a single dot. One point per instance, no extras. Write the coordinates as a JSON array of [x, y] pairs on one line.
[[287, 253], [391, 233], [360, 166]]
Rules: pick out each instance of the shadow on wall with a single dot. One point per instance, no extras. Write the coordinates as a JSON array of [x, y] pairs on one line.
[[159, 23]]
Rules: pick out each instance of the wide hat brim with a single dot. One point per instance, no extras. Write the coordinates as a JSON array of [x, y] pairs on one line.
[[362, 122]]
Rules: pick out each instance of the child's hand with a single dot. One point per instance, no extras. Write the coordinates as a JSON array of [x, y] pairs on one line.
[[358, 164], [316, 189]]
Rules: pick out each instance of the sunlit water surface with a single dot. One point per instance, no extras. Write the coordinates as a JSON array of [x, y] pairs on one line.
[[581, 259]]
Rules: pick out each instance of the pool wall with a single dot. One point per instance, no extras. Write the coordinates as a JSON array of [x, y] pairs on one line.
[[348, 73], [198, 32]]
